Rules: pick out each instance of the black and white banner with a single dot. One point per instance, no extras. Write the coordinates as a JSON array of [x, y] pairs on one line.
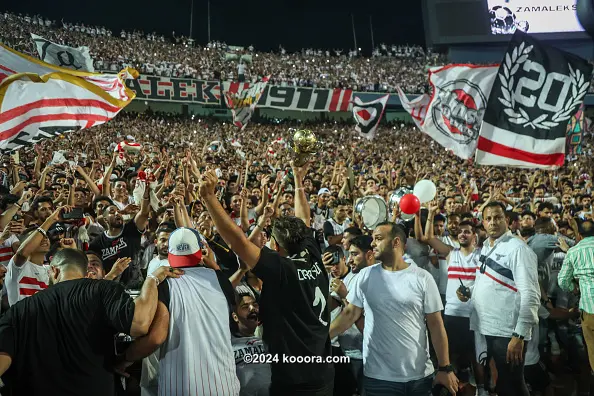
[[368, 115], [537, 91], [61, 55]]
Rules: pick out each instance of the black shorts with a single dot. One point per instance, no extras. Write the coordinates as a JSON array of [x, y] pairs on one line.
[[537, 377], [460, 339]]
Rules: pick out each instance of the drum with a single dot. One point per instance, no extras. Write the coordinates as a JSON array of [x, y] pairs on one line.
[[373, 210], [394, 198]]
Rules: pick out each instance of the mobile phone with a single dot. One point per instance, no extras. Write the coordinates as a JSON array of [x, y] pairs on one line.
[[335, 258], [74, 214]]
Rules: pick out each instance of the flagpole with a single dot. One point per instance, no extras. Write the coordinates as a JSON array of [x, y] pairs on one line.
[[208, 13], [371, 28], [191, 17], [354, 34]]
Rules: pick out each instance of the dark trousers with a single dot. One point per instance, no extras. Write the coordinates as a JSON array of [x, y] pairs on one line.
[[510, 378], [344, 380], [375, 387], [301, 390]]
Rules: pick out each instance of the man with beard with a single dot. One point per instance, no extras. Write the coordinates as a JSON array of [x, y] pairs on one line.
[[162, 244], [291, 267], [123, 240], [386, 288], [334, 228], [199, 303], [527, 220], [26, 273], [76, 318], [348, 234], [360, 253], [462, 263], [254, 378], [506, 298]]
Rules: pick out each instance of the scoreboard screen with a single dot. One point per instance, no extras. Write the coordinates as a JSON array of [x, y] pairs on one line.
[[533, 16], [492, 21]]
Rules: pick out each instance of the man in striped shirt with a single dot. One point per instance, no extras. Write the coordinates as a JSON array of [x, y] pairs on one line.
[[26, 273], [462, 264], [577, 273], [191, 326]]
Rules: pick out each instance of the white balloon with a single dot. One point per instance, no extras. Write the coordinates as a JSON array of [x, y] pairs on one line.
[[425, 190]]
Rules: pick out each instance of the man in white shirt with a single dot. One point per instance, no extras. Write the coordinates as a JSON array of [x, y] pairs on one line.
[[462, 265], [506, 298], [396, 359], [162, 245], [26, 273], [202, 305]]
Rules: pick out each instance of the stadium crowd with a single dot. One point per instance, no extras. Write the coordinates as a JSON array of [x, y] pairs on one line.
[[177, 57], [239, 191]]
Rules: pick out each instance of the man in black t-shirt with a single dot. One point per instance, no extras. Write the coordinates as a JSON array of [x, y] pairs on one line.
[[123, 240], [294, 294], [59, 341]]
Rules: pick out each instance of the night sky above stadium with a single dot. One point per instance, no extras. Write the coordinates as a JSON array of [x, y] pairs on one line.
[[263, 23]]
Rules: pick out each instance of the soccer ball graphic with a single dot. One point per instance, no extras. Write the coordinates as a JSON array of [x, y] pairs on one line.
[[503, 20]]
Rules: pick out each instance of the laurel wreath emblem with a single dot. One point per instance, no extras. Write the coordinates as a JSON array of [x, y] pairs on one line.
[[519, 55]]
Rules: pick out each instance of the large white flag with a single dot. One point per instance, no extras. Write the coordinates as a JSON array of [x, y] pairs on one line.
[[452, 115], [62, 55], [39, 100]]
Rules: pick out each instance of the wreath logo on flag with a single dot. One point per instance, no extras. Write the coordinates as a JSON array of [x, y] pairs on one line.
[[519, 55]]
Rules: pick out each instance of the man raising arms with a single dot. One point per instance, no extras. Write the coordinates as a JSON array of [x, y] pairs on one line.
[[294, 294]]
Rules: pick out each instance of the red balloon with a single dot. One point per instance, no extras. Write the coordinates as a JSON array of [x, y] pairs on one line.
[[410, 204]]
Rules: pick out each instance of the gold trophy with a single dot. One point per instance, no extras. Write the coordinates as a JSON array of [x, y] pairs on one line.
[[304, 145]]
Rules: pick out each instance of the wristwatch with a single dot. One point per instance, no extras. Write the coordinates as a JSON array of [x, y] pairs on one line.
[[521, 337], [446, 369]]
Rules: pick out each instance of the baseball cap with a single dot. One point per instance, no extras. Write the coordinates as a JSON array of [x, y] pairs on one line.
[[323, 191], [185, 248]]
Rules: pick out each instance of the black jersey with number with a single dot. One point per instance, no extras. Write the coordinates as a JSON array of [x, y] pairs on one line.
[[293, 310]]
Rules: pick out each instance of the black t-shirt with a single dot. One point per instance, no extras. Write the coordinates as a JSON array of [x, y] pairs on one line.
[[226, 258], [294, 313], [127, 244], [61, 340]]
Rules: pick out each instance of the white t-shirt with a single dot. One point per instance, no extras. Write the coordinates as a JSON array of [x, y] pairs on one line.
[[155, 263], [254, 378], [460, 268], [149, 375], [532, 353], [395, 342], [24, 281], [6, 252], [348, 281], [443, 264]]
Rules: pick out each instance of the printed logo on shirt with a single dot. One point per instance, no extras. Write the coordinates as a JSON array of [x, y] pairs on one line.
[[112, 251], [248, 350], [309, 274]]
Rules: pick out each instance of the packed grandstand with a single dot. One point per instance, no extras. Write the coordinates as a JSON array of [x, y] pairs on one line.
[[143, 176]]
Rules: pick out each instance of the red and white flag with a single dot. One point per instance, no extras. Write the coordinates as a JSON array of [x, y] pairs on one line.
[[368, 115], [242, 98], [40, 101], [452, 115]]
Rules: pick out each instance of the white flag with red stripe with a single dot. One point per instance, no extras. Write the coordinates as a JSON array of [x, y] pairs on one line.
[[452, 115], [242, 98], [368, 115], [39, 100]]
